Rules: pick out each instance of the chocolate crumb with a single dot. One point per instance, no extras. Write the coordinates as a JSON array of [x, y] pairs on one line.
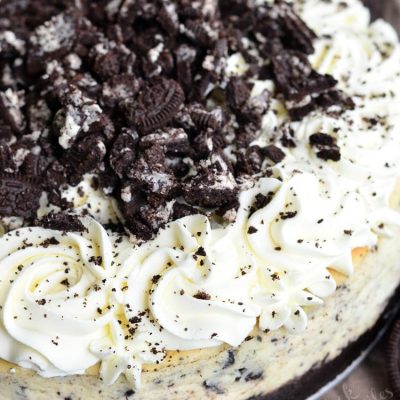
[[326, 146], [61, 222], [213, 387], [50, 241], [202, 296], [252, 230], [98, 260], [201, 252], [287, 215]]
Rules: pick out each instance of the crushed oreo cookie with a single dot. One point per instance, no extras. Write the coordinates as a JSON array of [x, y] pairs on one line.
[[19, 196], [140, 94], [326, 146], [61, 222]]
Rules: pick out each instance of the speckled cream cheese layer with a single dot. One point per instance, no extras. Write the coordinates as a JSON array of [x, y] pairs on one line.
[[199, 285]]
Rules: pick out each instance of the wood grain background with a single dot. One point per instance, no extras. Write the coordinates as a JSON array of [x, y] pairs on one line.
[[388, 9]]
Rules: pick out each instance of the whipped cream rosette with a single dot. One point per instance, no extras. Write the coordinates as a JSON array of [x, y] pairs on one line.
[[55, 297], [189, 288]]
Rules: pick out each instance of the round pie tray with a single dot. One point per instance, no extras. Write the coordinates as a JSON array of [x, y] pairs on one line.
[[394, 358], [356, 363]]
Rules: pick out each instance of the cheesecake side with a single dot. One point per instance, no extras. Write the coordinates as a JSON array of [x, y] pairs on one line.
[[271, 365]]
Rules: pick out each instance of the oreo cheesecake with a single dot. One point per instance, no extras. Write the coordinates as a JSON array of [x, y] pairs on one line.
[[198, 199]]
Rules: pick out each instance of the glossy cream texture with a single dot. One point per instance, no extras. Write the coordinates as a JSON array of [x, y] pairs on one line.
[[197, 284], [51, 290]]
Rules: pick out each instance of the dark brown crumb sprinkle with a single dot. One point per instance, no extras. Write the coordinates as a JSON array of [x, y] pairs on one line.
[[252, 230], [201, 252], [51, 241], [202, 296], [61, 222], [288, 214], [98, 260], [275, 276]]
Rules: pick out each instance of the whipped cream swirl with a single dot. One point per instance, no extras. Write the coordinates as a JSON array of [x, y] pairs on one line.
[[187, 289], [54, 293]]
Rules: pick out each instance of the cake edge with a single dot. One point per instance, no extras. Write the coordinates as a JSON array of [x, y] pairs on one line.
[[311, 382]]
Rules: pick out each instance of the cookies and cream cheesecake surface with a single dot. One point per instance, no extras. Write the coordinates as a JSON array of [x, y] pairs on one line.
[[198, 199]]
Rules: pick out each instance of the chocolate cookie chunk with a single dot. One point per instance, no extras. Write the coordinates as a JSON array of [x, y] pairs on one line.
[[213, 186], [157, 103], [19, 196], [61, 222], [326, 146]]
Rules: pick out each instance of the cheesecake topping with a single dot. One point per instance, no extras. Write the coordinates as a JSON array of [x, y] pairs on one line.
[[155, 98], [288, 175]]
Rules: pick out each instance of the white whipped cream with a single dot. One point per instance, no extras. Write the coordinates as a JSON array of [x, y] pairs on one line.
[[55, 297], [86, 198], [199, 285]]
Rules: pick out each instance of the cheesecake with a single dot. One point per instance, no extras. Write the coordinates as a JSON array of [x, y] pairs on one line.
[[198, 199]]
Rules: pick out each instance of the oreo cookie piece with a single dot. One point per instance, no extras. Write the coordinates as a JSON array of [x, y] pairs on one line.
[[394, 359], [214, 185], [156, 105], [7, 163], [297, 35], [185, 57], [61, 222], [203, 118], [200, 32], [150, 173], [79, 116], [83, 157], [11, 104], [54, 38], [123, 151], [181, 210], [119, 88], [274, 153], [237, 92], [19, 196], [172, 140], [326, 147], [295, 77]]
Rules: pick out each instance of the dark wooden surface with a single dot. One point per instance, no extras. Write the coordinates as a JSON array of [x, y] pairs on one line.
[[388, 9]]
